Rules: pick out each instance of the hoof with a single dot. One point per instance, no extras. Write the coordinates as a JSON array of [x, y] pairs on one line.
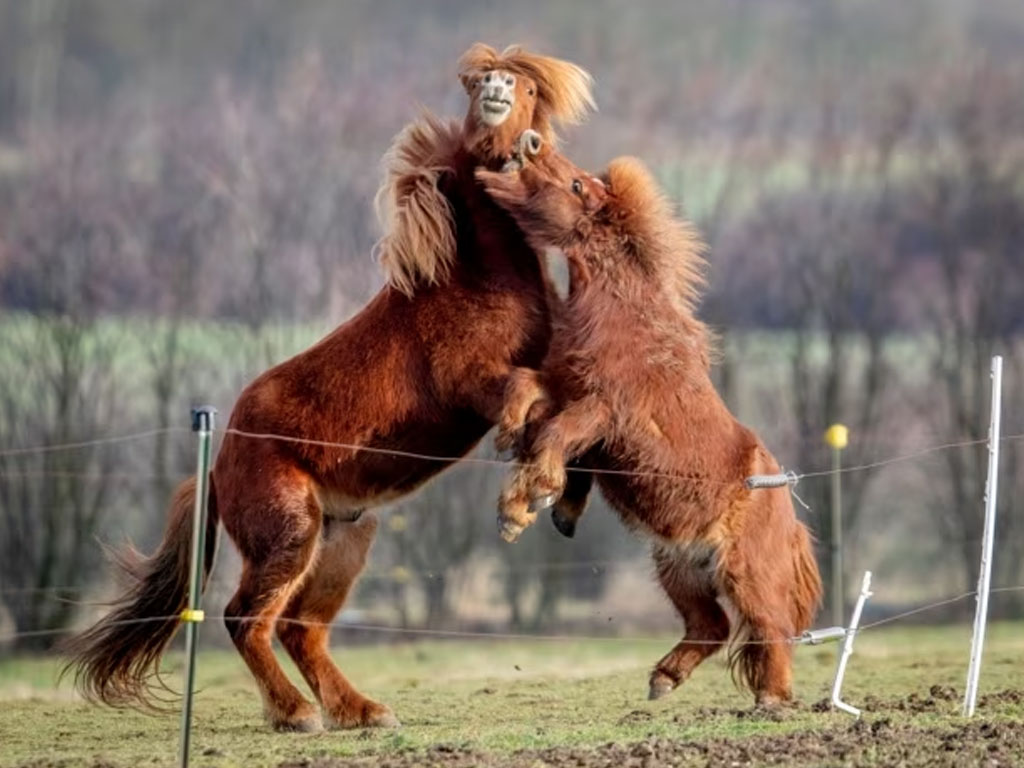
[[509, 530], [564, 524], [373, 716], [540, 503], [770, 701], [530, 142], [661, 685], [310, 723], [383, 719]]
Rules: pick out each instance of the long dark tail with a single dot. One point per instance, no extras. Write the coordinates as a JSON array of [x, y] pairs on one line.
[[117, 660]]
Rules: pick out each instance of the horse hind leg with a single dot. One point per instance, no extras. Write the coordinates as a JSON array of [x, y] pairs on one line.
[[707, 625], [763, 658], [568, 510], [274, 563], [304, 628]]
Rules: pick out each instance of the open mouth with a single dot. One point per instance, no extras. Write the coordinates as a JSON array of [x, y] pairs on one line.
[[495, 106], [494, 111]]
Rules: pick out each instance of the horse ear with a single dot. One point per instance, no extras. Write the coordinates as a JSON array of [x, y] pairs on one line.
[[468, 80]]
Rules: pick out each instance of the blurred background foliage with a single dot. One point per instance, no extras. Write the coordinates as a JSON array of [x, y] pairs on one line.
[[185, 199]]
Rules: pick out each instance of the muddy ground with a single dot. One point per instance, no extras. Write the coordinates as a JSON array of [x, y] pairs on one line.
[[879, 740]]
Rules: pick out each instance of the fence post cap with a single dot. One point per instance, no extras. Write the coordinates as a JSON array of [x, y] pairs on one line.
[[202, 418], [837, 436]]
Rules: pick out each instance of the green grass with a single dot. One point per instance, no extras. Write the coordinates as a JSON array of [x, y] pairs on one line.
[[499, 697]]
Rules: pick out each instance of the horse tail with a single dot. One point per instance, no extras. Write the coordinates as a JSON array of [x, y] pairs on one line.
[[116, 661], [806, 594]]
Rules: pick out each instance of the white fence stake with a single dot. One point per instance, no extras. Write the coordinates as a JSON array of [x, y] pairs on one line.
[[985, 576], [851, 632]]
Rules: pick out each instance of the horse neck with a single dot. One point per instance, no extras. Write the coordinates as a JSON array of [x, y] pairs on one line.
[[492, 147], [492, 252], [617, 312]]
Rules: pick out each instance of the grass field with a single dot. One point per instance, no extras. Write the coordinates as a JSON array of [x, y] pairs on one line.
[[572, 703]]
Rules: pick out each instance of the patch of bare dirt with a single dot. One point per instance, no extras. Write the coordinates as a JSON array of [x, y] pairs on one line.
[[878, 743]]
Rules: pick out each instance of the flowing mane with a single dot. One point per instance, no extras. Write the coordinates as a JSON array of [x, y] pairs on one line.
[[669, 246], [418, 246]]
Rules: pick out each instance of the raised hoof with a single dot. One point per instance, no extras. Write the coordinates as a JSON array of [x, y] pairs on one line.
[[530, 142], [564, 524], [509, 530], [305, 724], [661, 685], [540, 503]]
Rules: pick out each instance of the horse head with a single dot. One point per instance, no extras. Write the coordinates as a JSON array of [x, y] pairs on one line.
[[513, 91]]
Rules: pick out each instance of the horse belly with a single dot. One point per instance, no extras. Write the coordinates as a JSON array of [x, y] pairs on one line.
[[389, 469], [655, 509]]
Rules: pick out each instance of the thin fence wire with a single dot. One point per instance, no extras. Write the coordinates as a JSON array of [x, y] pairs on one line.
[[91, 443], [425, 631], [464, 460], [356, 448]]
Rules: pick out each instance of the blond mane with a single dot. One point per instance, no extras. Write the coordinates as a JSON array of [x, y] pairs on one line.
[[564, 90], [667, 244], [418, 247]]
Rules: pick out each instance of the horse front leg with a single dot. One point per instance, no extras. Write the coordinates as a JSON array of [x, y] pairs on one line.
[[525, 400], [541, 482]]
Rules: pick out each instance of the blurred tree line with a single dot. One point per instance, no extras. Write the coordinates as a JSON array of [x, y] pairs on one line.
[[185, 199]]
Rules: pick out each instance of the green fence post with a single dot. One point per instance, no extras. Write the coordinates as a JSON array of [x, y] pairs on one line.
[[202, 423], [837, 436]]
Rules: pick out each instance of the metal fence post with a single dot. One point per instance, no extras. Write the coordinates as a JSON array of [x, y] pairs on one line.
[[837, 436], [985, 576], [202, 424]]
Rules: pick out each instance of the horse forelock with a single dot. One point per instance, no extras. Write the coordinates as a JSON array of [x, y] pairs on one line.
[[418, 246]]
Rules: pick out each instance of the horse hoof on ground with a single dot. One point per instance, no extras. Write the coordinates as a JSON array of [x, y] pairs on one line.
[[540, 503], [310, 723], [509, 530], [373, 715], [563, 524], [382, 718], [770, 702], [661, 685]]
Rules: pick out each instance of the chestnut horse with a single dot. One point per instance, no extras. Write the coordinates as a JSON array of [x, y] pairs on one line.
[[627, 380], [421, 369]]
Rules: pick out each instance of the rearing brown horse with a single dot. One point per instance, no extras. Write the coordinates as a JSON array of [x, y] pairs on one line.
[[423, 368]]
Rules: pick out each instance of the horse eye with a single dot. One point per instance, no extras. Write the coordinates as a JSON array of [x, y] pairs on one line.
[[529, 91], [577, 187]]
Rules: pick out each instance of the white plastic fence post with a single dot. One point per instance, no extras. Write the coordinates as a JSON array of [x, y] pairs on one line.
[[851, 632], [985, 575]]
